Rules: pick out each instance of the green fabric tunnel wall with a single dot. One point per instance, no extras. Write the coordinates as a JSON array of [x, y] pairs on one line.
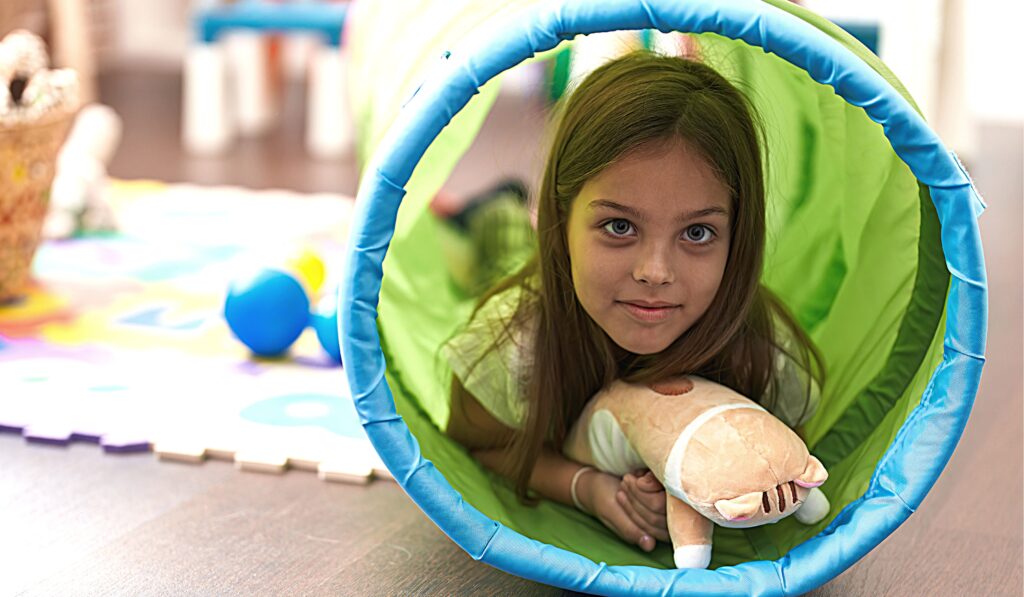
[[862, 220]]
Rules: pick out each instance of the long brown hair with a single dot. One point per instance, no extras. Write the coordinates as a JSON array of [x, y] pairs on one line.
[[629, 102]]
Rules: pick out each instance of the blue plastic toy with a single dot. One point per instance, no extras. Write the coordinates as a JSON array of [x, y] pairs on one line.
[[267, 311], [324, 320]]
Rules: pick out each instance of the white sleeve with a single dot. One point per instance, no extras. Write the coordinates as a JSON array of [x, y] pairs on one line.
[[495, 377], [797, 395]]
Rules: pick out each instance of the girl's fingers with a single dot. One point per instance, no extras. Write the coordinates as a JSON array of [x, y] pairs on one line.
[[657, 529], [653, 501], [604, 489], [648, 482], [654, 519], [620, 521]]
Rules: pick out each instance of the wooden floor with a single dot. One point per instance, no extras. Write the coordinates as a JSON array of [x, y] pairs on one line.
[[75, 521]]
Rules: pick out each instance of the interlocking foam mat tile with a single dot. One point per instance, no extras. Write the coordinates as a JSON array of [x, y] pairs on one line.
[[121, 339]]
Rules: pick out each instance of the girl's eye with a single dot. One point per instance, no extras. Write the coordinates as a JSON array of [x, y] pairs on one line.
[[699, 234], [618, 227]]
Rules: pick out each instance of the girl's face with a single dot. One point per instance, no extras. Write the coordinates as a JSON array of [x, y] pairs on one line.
[[648, 243]]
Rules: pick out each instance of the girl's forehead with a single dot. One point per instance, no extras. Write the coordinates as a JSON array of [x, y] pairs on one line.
[[656, 181]]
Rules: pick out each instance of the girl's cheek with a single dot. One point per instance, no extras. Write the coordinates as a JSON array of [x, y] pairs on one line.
[[608, 263], [593, 271], [709, 276]]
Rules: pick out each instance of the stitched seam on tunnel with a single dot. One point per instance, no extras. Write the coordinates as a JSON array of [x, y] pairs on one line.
[[977, 357], [650, 15], [972, 283], [372, 387], [490, 540]]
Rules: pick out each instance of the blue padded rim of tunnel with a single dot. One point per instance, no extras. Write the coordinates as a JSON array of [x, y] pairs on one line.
[[921, 448]]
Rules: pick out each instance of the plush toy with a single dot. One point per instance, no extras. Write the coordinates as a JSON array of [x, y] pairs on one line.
[[28, 90], [79, 200], [722, 458], [22, 55]]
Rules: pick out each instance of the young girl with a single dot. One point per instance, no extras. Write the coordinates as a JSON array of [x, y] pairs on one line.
[[651, 226]]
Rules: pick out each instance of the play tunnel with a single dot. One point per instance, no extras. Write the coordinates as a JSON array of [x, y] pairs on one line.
[[872, 243]]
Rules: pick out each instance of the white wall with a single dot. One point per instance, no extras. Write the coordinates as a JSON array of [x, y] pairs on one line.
[[151, 31], [974, 52], [995, 60]]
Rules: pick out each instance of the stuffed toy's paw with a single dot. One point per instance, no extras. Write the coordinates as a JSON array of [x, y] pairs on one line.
[[692, 556], [814, 509]]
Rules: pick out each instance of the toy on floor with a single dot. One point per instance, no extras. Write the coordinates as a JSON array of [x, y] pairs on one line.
[[324, 320], [94, 351], [78, 198], [268, 309], [722, 458], [28, 89]]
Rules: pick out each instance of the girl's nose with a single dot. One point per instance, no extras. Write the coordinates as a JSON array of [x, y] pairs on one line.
[[653, 268]]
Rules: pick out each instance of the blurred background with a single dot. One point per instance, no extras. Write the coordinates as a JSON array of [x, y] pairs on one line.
[[954, 56]]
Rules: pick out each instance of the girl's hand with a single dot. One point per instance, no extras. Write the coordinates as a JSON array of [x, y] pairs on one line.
[[642, 496], [597, 494]]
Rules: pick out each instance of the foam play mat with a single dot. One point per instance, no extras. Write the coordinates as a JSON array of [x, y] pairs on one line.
[[121, 340]]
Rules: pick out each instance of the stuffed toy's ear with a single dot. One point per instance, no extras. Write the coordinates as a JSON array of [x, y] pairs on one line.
[[739, 508], [814, 473]]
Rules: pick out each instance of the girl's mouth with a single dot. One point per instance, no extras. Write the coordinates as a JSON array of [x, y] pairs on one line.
[[649, 312]]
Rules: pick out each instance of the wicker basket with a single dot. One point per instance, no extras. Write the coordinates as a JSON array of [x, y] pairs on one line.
[[28, 156]]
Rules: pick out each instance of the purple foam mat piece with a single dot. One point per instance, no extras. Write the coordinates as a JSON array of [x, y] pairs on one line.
[[11, 427], [92, 438], [321, 362], [51, 438], [114, 443], [123, 444]]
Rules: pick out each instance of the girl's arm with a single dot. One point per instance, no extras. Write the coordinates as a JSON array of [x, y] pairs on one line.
[[601, 495], [629, 508], [488, 439], [471, 425]]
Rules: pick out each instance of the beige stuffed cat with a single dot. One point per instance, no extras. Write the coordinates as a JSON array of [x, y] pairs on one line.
[[722, 458]]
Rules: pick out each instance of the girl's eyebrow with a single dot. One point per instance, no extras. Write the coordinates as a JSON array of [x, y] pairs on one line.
[[684, 217], [630, 211], [702, 213]]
